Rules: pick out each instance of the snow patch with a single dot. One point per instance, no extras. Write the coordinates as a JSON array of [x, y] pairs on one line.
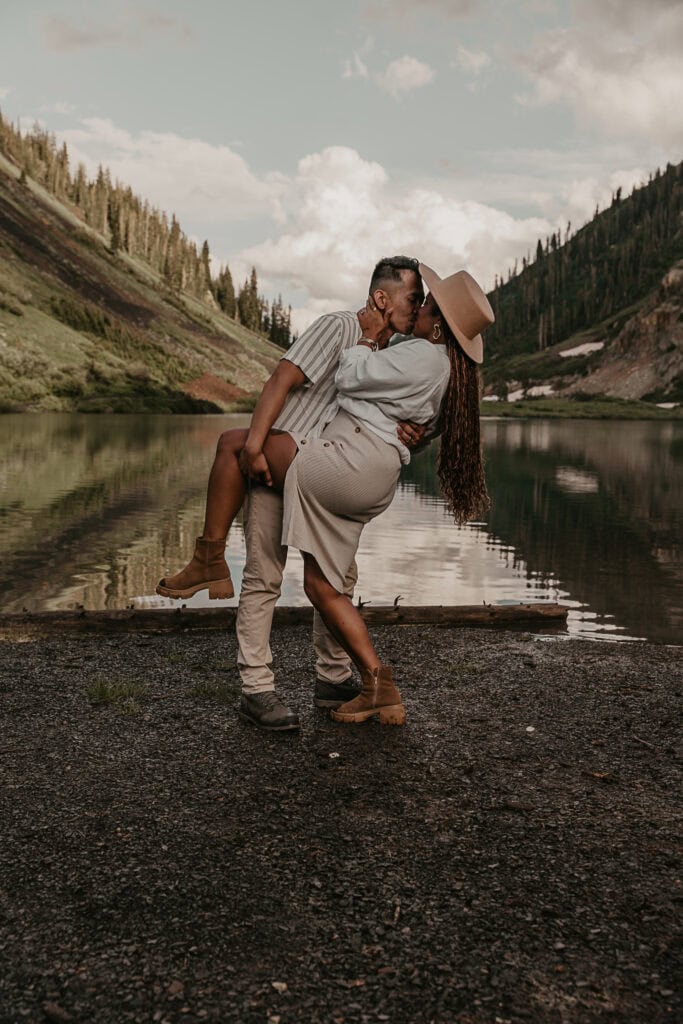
[[583, 350], [537, 391], [540, 391]]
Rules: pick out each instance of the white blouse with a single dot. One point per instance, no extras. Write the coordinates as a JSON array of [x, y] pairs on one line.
[[405, 382]]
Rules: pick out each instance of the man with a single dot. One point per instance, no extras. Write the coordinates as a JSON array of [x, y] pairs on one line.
[[298, 398]]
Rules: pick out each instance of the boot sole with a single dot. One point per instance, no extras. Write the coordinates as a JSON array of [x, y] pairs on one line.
[[218, 590], [393, 714], [320, 703], [268, 728]]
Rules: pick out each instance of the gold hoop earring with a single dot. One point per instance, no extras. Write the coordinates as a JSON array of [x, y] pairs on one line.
[[437, 332]]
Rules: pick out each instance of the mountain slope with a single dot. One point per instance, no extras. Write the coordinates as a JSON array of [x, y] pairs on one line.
[[585, 314], [84, 329], [645, 359]]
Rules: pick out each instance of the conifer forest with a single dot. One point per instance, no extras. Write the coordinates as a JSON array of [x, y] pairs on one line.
[[130, 224]]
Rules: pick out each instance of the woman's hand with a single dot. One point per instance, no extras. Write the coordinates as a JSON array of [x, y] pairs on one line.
[[254, 466], [374, 323]]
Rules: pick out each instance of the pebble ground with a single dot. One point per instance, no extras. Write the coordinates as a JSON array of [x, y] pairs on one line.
[[512, 854]]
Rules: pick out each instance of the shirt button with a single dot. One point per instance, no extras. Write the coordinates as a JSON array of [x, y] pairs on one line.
[[358, 430], [326, 444], [303, 442]]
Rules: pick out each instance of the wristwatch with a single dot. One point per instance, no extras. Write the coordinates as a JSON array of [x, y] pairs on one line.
[[374, 345]]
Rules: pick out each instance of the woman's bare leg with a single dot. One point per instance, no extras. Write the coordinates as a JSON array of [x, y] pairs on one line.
[[227, 486], [226, 489], [342, 619]]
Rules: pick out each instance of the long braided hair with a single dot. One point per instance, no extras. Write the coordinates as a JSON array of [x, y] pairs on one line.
[[461, 464]]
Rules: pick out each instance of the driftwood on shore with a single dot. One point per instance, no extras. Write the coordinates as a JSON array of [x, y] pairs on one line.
[[173, 619]]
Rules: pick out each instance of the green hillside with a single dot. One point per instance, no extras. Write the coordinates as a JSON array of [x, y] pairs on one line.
[[87, 328], [586, 287]]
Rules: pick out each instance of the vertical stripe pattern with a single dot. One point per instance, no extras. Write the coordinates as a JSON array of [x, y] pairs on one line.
[[316, 353]]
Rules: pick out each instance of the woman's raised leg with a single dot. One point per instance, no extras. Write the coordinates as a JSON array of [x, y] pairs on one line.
[[225, 493], [225, 496]]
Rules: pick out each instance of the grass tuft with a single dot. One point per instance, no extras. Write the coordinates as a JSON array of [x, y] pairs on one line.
[[123, 692]]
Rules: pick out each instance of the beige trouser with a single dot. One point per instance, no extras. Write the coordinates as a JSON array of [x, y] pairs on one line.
[[261, 585]]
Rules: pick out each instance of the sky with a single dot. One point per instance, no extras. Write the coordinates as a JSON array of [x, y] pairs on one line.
[[312, 138]]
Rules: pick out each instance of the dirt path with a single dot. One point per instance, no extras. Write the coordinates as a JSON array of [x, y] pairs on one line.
[[508, 856]]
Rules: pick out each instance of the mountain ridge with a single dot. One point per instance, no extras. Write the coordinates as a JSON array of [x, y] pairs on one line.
[[85, 329], [90, 325], [598, 314]]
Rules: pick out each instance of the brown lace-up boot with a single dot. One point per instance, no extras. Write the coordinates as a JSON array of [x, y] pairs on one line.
[[379, 696], [207, 568]]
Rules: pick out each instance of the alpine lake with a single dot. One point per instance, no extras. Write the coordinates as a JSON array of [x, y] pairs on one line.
[[95, 509]]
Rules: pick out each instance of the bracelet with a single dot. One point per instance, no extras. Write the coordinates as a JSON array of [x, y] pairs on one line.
[[374, 345]]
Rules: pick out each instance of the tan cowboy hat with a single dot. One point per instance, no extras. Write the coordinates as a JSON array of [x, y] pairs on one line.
[[466, 308]]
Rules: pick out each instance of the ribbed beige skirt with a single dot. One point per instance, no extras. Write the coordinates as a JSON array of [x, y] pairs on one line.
[[336, 484]]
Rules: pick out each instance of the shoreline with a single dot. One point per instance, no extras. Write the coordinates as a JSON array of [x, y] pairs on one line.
[[180, 618], [599, 408], [510, 853]]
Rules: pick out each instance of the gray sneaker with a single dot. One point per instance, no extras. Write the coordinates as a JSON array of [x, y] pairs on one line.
[[331, 695], [267, 711]]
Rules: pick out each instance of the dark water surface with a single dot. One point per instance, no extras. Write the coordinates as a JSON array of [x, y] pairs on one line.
[[94, 509]]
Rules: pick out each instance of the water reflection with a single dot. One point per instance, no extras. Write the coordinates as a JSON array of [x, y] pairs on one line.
[[94, 509], [594, 509]]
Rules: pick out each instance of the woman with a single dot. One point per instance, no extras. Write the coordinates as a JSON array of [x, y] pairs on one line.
[[344, 478]]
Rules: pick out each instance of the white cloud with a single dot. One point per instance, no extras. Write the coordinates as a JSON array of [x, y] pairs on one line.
[[132, 28], [581, 196], [619, 67], [61, 107], [355, 68], [560, 184], [345, 213], [472, 61], [194, 179], [325, 226], [5, 90], [404, 75]]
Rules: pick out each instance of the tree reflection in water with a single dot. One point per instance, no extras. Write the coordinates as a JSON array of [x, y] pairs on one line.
[[593, 505], [94, 509]]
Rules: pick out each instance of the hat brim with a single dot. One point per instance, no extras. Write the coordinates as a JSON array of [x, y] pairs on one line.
[[472, 347]]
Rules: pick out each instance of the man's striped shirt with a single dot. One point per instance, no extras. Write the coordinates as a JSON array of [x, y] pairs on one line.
[[308, 408]]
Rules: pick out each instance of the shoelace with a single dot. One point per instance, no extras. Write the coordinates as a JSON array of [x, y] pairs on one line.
[[269, 699]]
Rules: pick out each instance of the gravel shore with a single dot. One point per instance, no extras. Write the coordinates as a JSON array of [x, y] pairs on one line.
[[510, 855]]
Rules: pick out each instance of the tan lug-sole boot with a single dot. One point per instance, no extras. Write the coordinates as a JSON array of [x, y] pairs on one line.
[[207, 570], [379, 696]]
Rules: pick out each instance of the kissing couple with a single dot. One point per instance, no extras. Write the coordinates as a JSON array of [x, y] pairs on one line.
[[334, 423]]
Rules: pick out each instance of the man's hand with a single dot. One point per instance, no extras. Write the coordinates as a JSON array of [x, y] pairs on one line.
[[374, 323], [410, 433], [254, 466]]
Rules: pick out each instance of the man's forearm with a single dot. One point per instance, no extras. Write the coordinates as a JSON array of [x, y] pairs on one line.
[[286, 378], [267, 410]]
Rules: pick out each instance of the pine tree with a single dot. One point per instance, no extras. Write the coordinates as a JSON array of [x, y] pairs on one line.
[[114, 223], [173, 268], [248, 303], [225, 292], [205, 275]]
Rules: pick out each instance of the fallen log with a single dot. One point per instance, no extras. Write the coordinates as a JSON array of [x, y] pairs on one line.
[[173, 619]]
